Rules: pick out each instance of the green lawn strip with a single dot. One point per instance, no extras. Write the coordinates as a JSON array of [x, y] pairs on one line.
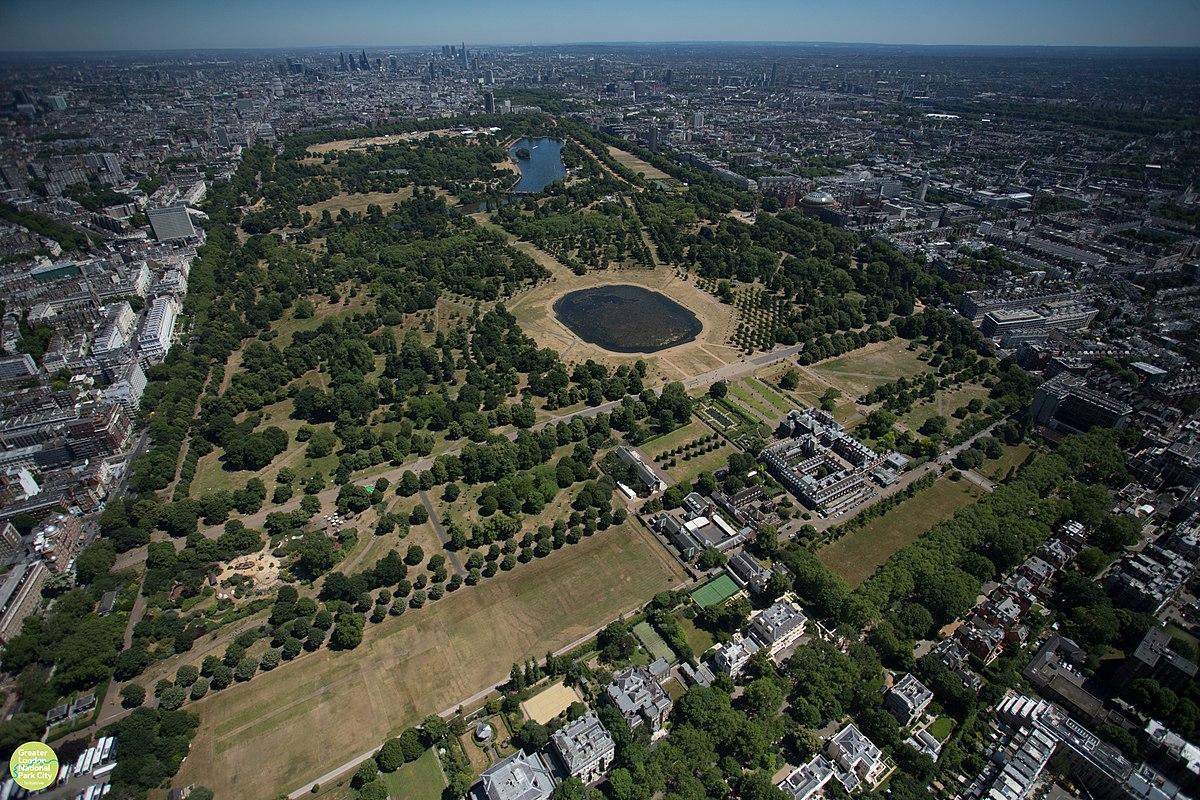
[[418, 780], [856, 555]]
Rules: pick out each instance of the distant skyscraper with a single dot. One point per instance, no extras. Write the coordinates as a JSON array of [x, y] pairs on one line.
[[652, 137], [775, 74], [393, 64], [489, 103], [342, 61], [432, 71], [465, 63], [363, 64], [698, 120], [668, 76]]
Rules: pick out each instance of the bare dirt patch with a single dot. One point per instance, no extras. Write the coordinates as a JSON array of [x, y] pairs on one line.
[[549, 703]]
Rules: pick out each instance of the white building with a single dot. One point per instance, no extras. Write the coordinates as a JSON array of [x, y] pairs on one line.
[[858, 762], [779, 626], [154, 341], [584, 748], [732, 657], [908, 699], [518, 777], [807, 781]]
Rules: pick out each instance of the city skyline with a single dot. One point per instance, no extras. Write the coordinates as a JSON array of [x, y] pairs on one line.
[[270, 24]]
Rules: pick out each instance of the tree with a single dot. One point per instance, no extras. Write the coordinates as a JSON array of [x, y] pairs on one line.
[[879, 423], [790, 379], [410, 745], [718, 390], [366, 773], [172, 698], [222, 676], [570, 789], [132, 695], [186, 675], [316, 554], [391, 756], [435, 730], [246, 669], [347, 631], [533, 736]]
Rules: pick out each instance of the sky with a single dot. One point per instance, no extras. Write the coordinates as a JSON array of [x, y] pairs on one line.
[[34, 25]]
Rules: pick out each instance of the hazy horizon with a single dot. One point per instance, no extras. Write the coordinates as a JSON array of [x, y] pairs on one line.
[[168, 25]]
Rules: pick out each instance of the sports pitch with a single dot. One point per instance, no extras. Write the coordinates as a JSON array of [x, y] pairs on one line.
[[718, 590]]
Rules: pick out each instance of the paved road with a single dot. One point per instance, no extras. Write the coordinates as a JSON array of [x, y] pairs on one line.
[[977, 479], [906, 480], [440, 530]]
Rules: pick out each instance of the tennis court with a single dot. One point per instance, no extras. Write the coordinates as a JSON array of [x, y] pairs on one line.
[[718, 590], [654, 644]]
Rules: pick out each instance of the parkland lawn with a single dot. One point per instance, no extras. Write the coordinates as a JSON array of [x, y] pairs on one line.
[[286, 727], [859, 553]]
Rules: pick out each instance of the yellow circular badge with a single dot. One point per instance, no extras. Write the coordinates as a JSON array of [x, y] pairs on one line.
[[34, 766]]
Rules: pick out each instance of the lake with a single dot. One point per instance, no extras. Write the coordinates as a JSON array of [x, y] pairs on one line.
[[543, 167], [627, 319]]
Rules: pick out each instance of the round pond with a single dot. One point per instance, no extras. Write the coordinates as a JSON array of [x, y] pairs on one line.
[[627, 319]]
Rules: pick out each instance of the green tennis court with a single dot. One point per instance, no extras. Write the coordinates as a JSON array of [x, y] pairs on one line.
[[718, 590]]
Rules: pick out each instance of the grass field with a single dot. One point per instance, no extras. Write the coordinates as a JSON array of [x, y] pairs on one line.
[[357, 202], [941, 727], [630, 161], [1013, 456], [257, 739], [753, 403], [700, 640], [808, 393], [944, 403], [420, 780], [687, 471], [212, 476], [856, 555], [861, 370], [654, 643], [718, 590], [684, 434]]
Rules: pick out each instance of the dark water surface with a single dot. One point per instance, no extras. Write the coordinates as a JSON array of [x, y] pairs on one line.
[[627, 319], [543, 167]]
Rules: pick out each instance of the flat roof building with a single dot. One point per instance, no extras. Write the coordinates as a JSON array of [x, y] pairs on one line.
[[171, 222]]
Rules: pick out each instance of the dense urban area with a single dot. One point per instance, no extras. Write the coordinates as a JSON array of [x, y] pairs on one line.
[[767, 422]]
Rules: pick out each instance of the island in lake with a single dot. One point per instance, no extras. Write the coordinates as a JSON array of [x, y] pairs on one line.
[[627, 319], [540, 162]]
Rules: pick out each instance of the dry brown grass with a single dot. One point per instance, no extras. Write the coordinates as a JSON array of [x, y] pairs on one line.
[[357, 202], [372, 141], [630, 161], [534, 311], [287, 726]]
